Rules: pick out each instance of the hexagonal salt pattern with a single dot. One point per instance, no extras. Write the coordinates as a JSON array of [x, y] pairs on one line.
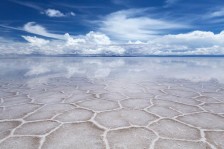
[[111, 114], [6, 127], [75, 115], [18, 111], [122, 118], [131, 138], [82, 135], [136, 103], [113, 96], [99, 105], [163, 111], [179, 144], [204, 120], [15, 100], [36, 128], [20, 143], [169, 128], [216, 138]]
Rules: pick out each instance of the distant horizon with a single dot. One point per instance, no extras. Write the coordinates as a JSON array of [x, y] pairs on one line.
[[73, 55]]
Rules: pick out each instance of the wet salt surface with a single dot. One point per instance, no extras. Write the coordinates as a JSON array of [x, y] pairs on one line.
[[117, 103]]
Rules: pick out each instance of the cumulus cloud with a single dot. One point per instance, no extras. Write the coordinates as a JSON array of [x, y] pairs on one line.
[[196, 42], [134, 24], [57, 13], [93, 38], [93, 43], [36, 41], [98, 43], [54, 13]]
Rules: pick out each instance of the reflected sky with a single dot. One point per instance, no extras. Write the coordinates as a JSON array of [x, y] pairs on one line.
[[42, 69]]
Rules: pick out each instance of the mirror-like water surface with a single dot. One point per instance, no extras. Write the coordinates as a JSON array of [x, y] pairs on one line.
[[128, 103]]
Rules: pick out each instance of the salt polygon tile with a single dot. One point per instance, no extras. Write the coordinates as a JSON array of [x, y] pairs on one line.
[[214, 107], [163, 111], [215, 138], [112, 96], [136, 103], [175, 144], [99, 104], [36, 128], [176, 130], [122, 118], [181, 93], [177, 106], [79, 96], [75, 115], [204, 120], [10, 101], [206, 99], [17, 111], [69, 136], [178, 99], [20, 143], [48, 97], [48, 111], [6, 127], [131, 138]]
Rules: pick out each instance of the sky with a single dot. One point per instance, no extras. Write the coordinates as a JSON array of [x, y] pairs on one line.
[[112, 27]]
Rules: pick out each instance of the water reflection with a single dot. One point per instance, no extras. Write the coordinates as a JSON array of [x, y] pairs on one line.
[[41, 69]]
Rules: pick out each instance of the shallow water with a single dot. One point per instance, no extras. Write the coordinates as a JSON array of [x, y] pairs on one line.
[[125, 103]]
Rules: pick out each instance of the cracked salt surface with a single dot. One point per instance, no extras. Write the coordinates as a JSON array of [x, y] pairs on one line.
[[131, 107]]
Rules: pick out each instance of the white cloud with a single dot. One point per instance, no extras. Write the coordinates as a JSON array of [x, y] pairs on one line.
[[37, 29], [93, 38], [196, 42], [54, 13], [71, 41], [36, 41], [93, 43], [72, 14], [98, 43], [28, 4], [217, 13], [57, 13], [133, 24], [98, 38]]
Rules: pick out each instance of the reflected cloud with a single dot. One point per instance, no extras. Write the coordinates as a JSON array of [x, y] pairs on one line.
[[36, 70]]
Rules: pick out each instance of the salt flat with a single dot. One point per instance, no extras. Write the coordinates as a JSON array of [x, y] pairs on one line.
[[117, 103]]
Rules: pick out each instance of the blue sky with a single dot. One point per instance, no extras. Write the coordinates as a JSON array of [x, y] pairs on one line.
[[119, 27]]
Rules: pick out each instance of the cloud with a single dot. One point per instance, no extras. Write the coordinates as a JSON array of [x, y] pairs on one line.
[[57, 13], [217, 13], [94, 38], [48, 12], [36, 41], [54, 13], [27, 4], [93, 43], [32, 27], [42, 70], [72, 14], [134, 24], [98, 43], [193, 43]]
